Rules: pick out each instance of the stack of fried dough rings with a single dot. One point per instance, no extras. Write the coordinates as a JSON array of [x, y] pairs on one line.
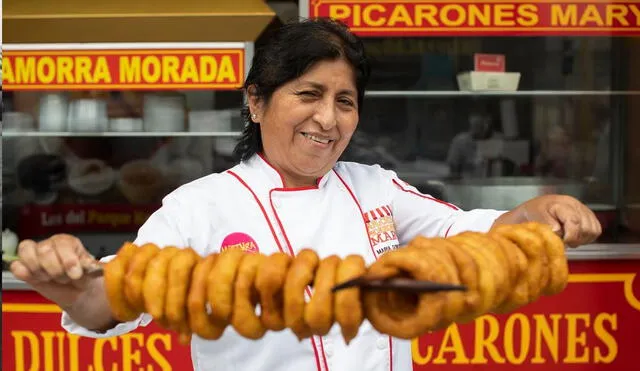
[[504, 269]]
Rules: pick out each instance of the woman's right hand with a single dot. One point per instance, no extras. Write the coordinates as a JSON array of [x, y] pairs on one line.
[[54, 268]]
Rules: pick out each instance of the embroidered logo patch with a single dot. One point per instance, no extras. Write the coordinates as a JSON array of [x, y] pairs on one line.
[[381, 229], [239, 240]]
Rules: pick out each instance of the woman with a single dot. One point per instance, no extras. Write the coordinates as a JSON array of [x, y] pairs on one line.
[[305, 92]]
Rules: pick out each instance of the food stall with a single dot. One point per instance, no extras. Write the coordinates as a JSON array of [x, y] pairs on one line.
[[107, 107], [539, 66], [590, 326]]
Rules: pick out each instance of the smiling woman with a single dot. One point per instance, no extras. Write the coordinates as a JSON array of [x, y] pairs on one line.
[[304, 99]]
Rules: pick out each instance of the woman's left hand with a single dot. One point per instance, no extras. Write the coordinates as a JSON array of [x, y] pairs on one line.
[[568, 217]]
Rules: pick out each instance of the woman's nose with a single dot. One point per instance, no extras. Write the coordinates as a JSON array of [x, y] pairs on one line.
[[325, 115]]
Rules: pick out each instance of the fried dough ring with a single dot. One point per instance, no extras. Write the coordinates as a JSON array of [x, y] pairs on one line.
[[154, 287], [135, 275], [220, 283], [270, 285], [200, 321], [454, 300], [519, 294], [319, 313], [244, 319], [300, 275], [557, 261], [498, 261], [347, 305], [424, 315], [114, 278], [178, 286], [486, 285], [533, 248]]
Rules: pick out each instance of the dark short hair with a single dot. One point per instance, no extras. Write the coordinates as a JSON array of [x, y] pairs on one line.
[[290, 52]]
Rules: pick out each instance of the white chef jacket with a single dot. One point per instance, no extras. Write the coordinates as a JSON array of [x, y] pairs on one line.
[[354, 209]]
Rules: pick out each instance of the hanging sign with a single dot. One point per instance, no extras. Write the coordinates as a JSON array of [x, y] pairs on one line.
[[113, 67], [483, 18]]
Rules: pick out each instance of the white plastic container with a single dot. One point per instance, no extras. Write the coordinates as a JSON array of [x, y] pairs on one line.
[[488, 81]]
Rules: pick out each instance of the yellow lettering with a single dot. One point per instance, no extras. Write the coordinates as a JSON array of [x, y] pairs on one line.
[[25, 69], [130, 69], [20, 356], [189, 70], [208, 69], [487, 341], [98, 353], [426, 12], [636, 12], [617, 12], [151, 69], [170, 65], [46, 70], [226, 71], [591, 15], [418, 358], [83, 70], [101, 73], [65, 70], [528, 15], [368, 15], [504, 14], [478, 16], [509, 336], [7, 71], [340, 12], [73, 352], [357, 18], [564, 15], [400, 14], [576, 337], [452, 343], [47, 337], [550, 337], [458, 10], [131, 356], [606, 337], [155, 354]]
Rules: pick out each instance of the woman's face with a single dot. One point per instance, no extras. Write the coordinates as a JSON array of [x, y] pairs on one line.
[[309, 121]]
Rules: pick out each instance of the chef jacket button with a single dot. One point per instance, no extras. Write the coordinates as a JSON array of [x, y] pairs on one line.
[[382, 342], [328, 350]]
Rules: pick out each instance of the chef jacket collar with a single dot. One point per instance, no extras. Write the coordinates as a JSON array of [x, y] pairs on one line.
[[275, 178]]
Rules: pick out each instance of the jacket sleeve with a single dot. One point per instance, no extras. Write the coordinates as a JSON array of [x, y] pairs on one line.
[[165, 228], [418, 214]]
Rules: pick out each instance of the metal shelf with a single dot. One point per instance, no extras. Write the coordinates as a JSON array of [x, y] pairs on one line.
[[228, 134], [524, 93]]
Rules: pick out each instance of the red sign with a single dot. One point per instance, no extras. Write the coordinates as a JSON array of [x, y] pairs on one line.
[[592, 326], [38, 220], [489, 62], [483, 18], [155, 69]]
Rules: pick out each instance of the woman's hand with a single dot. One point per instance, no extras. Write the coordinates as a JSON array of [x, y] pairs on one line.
[[54, 267], [568, 217]]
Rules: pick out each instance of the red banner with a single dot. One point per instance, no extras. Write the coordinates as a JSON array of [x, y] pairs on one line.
[[212, 69], [38, 220], [592, 326], [483, 18]]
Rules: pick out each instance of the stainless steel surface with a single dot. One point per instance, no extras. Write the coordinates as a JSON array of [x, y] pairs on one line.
[[121, 134], [583, 253], [526, 93], [503, 193]]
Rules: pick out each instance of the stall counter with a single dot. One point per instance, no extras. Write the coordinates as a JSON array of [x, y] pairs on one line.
[[591, 326]]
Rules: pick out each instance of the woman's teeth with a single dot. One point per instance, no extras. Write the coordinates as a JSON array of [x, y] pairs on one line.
[[316, 139]]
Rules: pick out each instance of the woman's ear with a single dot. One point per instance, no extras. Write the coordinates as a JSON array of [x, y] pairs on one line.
[[256, 105]]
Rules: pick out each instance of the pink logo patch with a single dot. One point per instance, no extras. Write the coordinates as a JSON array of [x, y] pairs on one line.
[[239, 240]]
